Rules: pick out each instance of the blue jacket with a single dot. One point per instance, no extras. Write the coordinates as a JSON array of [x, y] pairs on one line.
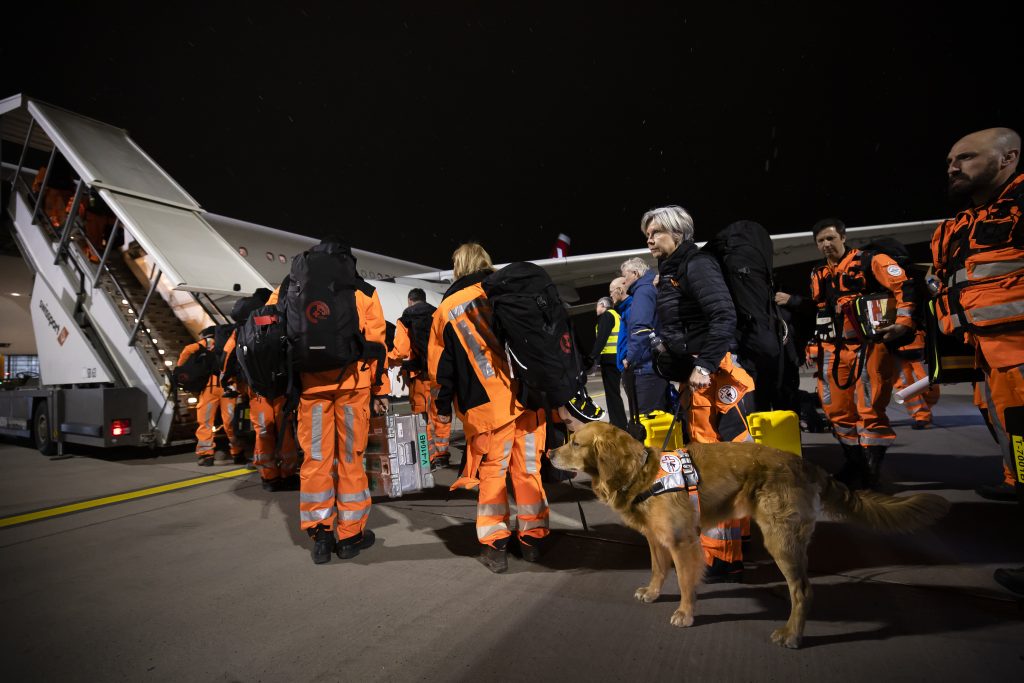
[[641, 322], [623, 308]]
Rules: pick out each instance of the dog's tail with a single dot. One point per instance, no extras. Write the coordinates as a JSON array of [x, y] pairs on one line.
[[880, 511]]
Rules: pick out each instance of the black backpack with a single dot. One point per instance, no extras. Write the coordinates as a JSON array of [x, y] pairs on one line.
[[533, 324], [194, 374], [744, 251], [417, 320], [319, 301], [261, 351]]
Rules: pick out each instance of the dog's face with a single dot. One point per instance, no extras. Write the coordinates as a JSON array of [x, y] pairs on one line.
[[609, 455]]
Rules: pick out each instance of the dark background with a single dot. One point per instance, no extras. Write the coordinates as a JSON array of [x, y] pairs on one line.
[[410, 129]]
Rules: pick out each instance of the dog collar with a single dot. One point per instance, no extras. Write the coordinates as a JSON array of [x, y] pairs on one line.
[[678, 473]]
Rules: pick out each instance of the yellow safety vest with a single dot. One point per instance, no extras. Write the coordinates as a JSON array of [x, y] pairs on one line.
[[612, 344]]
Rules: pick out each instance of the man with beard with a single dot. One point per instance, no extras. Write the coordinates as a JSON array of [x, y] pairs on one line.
[[979, 257]]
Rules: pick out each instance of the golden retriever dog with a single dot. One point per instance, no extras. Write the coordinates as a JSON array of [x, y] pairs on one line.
[[782, 492]]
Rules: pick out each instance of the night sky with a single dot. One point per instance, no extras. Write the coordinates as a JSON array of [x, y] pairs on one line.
[[412, 129]]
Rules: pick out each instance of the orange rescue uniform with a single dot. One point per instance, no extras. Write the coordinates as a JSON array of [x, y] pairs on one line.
[[857, 412], [909, 369], [502, 436], [268, 422], [334, 422], [211, 399], [979, 260]]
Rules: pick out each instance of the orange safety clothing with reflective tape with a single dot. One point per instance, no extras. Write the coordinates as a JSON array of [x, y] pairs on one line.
[[467, 361], [513, 450], [978, 257], [271, 426]]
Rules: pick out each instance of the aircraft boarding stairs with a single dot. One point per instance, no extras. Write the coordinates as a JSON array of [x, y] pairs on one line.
[[135, 302]]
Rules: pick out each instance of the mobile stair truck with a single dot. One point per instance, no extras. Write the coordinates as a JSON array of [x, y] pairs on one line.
[[125, 274]]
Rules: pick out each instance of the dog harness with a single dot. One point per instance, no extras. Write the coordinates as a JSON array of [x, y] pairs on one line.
[[677, 474]]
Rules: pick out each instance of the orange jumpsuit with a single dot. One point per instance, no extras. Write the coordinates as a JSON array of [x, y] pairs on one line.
[[909, 369], [716, 415], [422, 395], [979, 260], [267, 420], [502, 436], [210, 401], [55, 202], [858, 413], [334, 422]]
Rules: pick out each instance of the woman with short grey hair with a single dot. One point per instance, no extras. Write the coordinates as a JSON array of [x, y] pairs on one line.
[[674, 219]]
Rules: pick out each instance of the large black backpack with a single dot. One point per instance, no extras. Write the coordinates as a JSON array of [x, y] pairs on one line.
[[319, 302], [744, 251], [261, 351], [533, 324], [194, 374], [320, 309], [417, 320]]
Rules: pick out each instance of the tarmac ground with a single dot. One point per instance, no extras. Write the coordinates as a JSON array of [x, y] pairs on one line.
[[214, 582]]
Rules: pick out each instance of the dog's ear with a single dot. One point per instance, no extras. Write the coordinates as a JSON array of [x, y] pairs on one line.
[[618, 458]]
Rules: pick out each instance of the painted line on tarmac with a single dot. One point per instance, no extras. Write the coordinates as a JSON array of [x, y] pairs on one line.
[[119, 498]]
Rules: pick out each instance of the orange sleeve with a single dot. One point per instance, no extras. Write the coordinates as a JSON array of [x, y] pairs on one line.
[[272, 301], [402, 348], [371, 314], [891, 276], [229, 348], [188, 351]]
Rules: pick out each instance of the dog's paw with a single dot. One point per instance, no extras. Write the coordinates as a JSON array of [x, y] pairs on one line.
[[681, 619], [783, 637], [645, 594]]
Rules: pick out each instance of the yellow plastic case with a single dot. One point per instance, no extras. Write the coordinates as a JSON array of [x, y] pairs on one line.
[[656, 423], [778, 429]]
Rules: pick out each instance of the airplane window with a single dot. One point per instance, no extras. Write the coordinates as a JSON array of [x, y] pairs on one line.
[[282, 258], [243, 251], [270, 256]]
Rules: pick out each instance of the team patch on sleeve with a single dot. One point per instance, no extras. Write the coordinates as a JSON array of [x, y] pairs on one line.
[[728, 394], [894, 270]]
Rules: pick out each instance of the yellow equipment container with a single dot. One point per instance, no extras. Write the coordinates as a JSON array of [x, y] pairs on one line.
[[657, 423], [778, 429]]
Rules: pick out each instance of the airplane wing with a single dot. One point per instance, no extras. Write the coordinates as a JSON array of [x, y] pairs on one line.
[[571, 272]]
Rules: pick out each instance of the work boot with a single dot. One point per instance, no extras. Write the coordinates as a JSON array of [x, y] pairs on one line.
[[1001, 491], [921, 424], [720, 571], [1011, 579], [323, 545], [531, 547], [239, 459], [854, 472], [272, 485], [874, 456], [495, 559], [205, 461], [348, 548], [440, 462], [289, 483]]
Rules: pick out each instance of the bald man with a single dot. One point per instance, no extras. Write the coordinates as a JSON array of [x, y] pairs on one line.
[[979, 257]]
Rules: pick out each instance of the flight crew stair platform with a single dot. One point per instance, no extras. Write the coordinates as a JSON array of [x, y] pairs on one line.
[[124, 278]]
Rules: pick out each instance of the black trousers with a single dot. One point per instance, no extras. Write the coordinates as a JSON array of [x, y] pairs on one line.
[[612, 378]]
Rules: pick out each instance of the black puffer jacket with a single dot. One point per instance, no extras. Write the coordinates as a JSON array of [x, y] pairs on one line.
[[695, 311]]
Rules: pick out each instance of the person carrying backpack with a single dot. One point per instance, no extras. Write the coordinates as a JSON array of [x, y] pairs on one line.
[[414, 327], [695, 346], [503, 437], [851, 365], [275, 455], [205, 358], [336, 331]]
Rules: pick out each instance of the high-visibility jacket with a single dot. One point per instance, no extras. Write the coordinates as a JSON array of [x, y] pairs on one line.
[[204, 343], [834, 287], [466, 360], [402, 347], [979, 258], [611, 344]]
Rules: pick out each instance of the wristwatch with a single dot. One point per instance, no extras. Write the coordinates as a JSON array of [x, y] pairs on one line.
[[702, 370]]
